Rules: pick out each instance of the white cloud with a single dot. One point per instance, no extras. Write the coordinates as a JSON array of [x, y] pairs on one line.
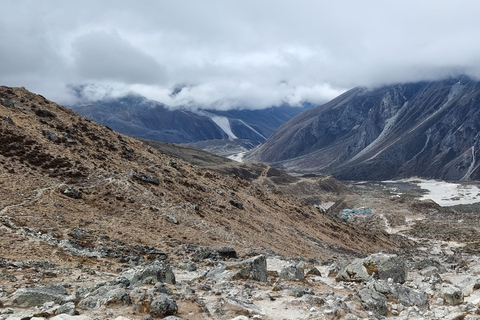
[[239, 53]]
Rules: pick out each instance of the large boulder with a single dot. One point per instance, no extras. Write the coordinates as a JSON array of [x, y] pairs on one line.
[[409, 297], [291, 273], [31, 297], [163, 306], [354, 271], [373, 301], [452, 295], [385, 266], [156, 272], [254, 268]]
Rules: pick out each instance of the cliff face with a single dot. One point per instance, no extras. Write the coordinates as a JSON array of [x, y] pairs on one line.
[[426, 129]]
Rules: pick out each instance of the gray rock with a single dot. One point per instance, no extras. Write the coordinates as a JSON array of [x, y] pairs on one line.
[[67, 308], [355, 271], [314, 272], [171, 218], [147, 178], [227, 252], [385, 266], [8, 103], [201, 254], [373, 301], [9, 120], [172, 318], [164, 306], [236, 203], [452, 295], [254, 268], [51, 136], [69, 317], [190, 266], [291, 273], [30, 297], [409, 297], [156, 272]]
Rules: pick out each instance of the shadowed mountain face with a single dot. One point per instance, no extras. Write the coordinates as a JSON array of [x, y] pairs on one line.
[[425, 129], [137, 116]]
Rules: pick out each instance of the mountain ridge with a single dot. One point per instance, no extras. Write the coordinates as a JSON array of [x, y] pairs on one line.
[[425, 129]]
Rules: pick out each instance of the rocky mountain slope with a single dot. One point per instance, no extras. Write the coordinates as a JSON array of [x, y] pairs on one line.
[[81, 203], [137, 116], [426, 129]]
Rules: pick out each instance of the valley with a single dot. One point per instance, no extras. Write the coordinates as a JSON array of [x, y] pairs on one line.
[[99, 225]]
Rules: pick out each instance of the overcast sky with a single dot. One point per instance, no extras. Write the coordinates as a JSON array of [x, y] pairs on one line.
[[233, 53]]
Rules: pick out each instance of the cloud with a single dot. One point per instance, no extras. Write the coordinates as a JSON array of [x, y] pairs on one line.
[[233, 54], [108, 57]]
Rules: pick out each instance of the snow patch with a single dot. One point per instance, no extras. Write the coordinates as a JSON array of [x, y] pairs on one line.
[[224, 124], [237, 157], [448, 194]]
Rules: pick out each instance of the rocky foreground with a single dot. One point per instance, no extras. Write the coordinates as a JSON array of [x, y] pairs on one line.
[[216, 284]]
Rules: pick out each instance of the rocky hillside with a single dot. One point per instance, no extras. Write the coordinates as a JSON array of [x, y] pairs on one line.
[[81, 201], [426, 129]]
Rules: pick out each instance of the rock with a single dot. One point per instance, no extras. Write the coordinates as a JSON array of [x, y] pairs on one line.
[[171, 218], [201, 254], [468, 285], [71, 192], [291, 273], [51, 136], [45, 113], [428, 264], [429, 271], [8, 103], [67, 308], [373, 301], [355, 271], [313, 272], [254, 268], [172, 318], [409, 297], [118, 295], [147, 178], [452, 295], [69, 317], [163, 306], [30, 297], [237, 203], [121, 318], [190, 266], [156, 272], [227, 252], [9, 120], [385, 266]]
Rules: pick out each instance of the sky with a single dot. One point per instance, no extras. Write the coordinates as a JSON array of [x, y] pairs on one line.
[[227, 54]]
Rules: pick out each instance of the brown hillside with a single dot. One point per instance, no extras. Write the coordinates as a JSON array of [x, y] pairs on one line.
[[68, 184]]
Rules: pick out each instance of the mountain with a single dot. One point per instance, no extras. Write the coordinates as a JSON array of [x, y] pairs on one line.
[[137, 116], [424, 129], [63, 174]]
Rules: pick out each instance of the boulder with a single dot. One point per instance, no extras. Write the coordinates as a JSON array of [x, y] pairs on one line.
[[452, 295], [156, 272], [313, 272], [227, 252], [409, 297], [31, 297], [385, 266], [355, 271], [254, 268], [69, 317], [67, 308], [163, 306], [373, 301], [291, 273]]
